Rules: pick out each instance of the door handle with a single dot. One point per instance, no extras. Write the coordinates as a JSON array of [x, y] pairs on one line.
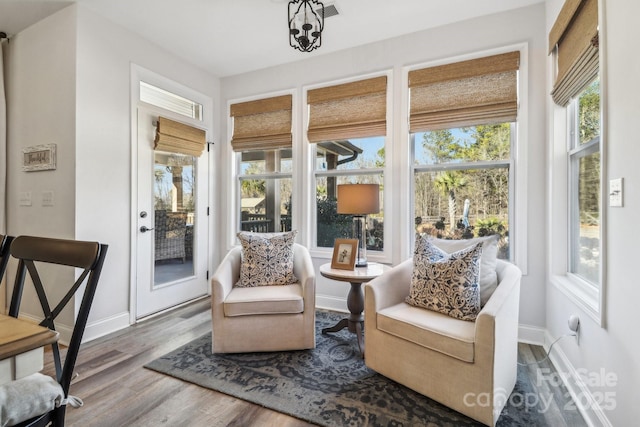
[[144, 229]]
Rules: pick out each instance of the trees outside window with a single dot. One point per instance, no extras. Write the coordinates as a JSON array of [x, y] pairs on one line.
[[265, 190], [348, 128], [354, 161], [262, 141], [584, 179], [462, 182]]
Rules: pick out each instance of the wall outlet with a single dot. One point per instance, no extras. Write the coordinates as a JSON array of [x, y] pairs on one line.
[[574, 326]]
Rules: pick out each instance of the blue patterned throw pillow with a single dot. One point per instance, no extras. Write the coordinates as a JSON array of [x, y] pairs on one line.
[[446, 283], [488, 261], [267, 259]]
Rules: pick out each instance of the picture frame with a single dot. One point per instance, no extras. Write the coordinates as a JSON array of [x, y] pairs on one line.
[[344, 254], [39, 158]]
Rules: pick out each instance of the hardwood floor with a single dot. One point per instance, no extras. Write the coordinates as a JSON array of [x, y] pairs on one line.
[[118, 391]]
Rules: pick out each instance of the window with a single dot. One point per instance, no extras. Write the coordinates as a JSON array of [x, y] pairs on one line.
[[355, 161], [584, 182], [462, 124], [576, 225], [262, 141], [461, 182], [348, 127], [170, 101], [265, 190]]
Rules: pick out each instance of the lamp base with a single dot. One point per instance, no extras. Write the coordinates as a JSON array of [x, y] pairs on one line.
[[361, 262], [360, 233]]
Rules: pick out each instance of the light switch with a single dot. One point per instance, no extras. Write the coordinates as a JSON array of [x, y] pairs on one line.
[[47, 198], [25, 198], [615, 193]]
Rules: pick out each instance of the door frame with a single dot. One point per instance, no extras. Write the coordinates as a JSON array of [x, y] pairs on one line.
[[139, 74]]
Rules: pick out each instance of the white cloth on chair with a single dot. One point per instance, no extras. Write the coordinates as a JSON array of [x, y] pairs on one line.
[[31, 396]]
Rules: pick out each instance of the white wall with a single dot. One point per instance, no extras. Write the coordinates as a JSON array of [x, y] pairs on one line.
[[41, 110], [69, 83], [614, 349], [520, 26], [103, 204]]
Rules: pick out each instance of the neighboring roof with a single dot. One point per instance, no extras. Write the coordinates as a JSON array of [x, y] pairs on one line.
[[341, 147], [251, 202]]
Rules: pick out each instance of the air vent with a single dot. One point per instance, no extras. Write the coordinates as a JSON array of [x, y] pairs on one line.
[[329, 11]]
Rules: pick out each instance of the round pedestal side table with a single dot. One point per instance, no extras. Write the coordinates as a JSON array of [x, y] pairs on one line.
[[355, 298]]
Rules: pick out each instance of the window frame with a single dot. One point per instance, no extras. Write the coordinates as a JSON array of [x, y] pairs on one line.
[[575, 152], [581, 293], [518, 170], [573, 158], [275, 175], [586, 295], [383, 256], [481, 165], [234, 167], [197, 108]]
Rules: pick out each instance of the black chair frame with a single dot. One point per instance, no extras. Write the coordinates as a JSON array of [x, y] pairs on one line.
[[5, 244], [88, 256]]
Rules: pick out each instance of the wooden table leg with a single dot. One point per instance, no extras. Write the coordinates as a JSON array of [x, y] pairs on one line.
[[355, 322]]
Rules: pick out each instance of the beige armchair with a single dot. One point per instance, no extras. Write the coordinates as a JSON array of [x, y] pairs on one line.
[[468, 366], [263, 318]]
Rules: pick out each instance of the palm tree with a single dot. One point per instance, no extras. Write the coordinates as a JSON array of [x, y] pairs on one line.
[[448, 182]]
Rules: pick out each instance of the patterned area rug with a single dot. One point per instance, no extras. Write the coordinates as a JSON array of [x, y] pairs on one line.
[[329, 385]]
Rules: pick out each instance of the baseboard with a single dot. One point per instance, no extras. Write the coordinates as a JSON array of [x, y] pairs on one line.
[[531, 334], [586, 402], [91, 331], [327, 302], [64, 331], [106, 326]]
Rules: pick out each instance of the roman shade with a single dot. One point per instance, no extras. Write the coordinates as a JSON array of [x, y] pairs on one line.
[[467, 93], [350, 110], [263, 124], [176, 137], [574, 41]]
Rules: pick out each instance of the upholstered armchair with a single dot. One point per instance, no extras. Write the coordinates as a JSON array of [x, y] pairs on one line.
[[263, 318], [469, 366], [170, 231]]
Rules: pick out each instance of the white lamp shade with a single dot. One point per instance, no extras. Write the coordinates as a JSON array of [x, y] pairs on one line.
[[358, 199]]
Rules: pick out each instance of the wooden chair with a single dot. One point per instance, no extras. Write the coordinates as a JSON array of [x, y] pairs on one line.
[[33, 254]]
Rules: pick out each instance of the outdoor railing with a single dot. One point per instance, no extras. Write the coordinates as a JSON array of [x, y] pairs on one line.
[[259, 223]]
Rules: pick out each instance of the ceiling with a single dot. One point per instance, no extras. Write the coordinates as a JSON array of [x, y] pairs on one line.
[[229, 37]]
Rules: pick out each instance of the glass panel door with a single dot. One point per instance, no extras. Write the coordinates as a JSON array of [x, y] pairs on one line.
[[174, 209], [171, 224]]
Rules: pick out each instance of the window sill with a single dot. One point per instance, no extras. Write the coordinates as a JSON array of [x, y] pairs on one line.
[[327, 253], [580, 293]]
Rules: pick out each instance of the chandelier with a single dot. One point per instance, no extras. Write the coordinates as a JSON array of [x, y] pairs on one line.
[[306, 22]]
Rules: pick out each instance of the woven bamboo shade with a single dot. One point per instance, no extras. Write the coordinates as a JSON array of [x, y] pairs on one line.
[[350, 110], [176, 137], [263, 124], [467, 93], [574, 38]]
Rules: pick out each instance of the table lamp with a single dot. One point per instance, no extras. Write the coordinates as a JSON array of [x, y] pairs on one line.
[[359, 200]]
